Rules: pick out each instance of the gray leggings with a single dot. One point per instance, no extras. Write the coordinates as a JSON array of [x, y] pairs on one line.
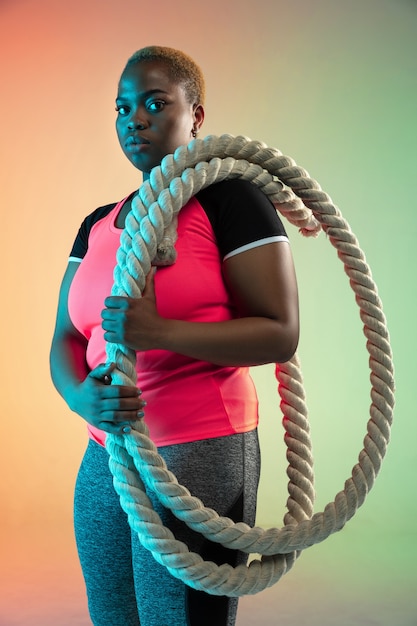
[[125, 585]]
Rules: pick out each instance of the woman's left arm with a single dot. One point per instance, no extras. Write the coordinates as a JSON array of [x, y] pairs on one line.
[[263, 285]]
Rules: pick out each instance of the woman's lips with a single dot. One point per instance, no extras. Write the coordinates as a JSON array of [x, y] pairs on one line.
[[134, 143]]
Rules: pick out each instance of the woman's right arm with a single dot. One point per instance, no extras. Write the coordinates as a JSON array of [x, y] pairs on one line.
[[87, 392]]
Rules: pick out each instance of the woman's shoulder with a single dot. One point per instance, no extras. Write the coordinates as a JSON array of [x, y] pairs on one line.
[[232, 189], [240, 213], [80, 244], [98, 214]]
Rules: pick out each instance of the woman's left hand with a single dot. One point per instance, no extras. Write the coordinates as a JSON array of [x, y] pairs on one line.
[[133, 322]]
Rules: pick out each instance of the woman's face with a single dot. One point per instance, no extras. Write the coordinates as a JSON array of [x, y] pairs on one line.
[[153, 115]]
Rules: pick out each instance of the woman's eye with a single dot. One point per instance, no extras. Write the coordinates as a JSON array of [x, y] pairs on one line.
[[156, 105], [122, 110]]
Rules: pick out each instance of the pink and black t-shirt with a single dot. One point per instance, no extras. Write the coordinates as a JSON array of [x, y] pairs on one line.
[[187, 399]]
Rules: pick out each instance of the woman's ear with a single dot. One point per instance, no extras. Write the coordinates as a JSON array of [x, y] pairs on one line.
[[198, 113]]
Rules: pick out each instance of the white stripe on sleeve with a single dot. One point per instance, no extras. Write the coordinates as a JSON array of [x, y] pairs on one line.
[[256, 244]]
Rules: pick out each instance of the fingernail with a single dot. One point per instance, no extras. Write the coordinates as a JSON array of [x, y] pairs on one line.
[[141, 414], [126, 429]]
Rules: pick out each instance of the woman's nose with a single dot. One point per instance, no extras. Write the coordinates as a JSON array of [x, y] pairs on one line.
[[137, 121]]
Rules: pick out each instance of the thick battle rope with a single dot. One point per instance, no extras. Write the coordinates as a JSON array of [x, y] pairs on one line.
[[148, 239]]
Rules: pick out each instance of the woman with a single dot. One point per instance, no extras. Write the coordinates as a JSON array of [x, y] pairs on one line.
[[229, 302]]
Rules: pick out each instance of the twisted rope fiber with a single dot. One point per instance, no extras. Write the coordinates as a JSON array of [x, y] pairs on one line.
[[134, 461]]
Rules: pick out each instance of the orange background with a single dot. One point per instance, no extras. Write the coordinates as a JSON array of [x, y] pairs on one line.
[[330, 83]]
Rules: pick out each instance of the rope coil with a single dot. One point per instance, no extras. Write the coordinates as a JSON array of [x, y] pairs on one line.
[[149, 237]]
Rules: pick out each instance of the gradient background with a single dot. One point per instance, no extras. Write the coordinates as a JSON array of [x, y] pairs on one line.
[[330, 83]]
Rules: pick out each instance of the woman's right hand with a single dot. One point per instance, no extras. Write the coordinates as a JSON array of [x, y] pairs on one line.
[[108, 407]]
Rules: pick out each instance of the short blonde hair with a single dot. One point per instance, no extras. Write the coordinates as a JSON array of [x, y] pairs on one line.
[[181, 67]]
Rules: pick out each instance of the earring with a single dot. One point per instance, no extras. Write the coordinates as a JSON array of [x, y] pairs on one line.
[[194, 132]]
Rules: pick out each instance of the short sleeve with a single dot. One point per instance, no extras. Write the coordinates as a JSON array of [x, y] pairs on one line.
[[80, 245], [242, 216]]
